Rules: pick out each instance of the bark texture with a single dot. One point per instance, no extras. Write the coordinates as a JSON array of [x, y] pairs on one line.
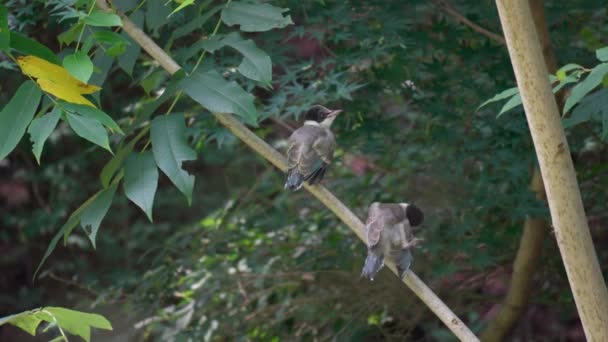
[[563, 195]]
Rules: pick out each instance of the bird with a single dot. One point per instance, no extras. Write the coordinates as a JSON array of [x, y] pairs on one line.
[[389, 233], [311, 148]]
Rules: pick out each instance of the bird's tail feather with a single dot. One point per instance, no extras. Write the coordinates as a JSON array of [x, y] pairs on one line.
[[294, 180], [317, 175], [373, 264]]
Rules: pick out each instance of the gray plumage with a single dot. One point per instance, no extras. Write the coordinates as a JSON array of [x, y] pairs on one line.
[[389, 234], [311, 148]]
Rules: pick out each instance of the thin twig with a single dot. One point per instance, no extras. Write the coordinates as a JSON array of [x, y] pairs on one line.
[[321, 193], [449, 9]]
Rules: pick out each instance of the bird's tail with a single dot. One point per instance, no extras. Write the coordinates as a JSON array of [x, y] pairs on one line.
[[294, 180], [373, 264]]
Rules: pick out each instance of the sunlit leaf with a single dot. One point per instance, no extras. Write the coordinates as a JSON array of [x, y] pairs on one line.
[[171, 150], [255, 17], [17, 115], [141, 180], [56, 80], [182, 4], [41, 128], [72, 321]]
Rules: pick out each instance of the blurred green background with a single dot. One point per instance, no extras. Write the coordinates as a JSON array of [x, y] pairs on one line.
[[250, 261]]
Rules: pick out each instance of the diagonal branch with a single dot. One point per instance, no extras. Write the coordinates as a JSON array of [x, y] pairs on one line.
[[449, 9], [321, 193]]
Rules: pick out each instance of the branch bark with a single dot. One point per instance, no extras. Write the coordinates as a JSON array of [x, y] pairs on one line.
[[449, 9], [321, 193], [535, 228], [567, 212]]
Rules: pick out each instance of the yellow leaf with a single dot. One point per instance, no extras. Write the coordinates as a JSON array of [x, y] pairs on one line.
[[56, 80]]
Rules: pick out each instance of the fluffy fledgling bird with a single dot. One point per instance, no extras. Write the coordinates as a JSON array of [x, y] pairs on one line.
[[389, 235], [311, 148]]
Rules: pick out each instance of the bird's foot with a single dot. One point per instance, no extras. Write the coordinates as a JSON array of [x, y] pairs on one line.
[[412, 243]]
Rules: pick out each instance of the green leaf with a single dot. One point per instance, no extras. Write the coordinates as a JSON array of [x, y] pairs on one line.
[[89, 129], [181, 6], [255, 17], [602, 54], [28, 46], [75, 322], [126, 61], [26, 321], [500, 96], [512, 103], [70, 35], [96, 211], [114, 43], [171, 150], [256, 63], [115, 163], [79, 65], [593, 80], [196, 23], [16, 115], [92, 113], [65, 230], [102, 19], [561, 73], [141, 180], [590, 106], [217, 95], [5, 36], [41, 128], [156, 14]]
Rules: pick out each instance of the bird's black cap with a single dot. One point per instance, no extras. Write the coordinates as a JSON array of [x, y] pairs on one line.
[[317, 113], [414, 215]]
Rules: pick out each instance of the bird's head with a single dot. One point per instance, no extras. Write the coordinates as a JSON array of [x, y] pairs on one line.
[[321, 115], [414, 215]]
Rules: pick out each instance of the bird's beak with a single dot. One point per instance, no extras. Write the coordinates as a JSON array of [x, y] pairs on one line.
[[334, 113]]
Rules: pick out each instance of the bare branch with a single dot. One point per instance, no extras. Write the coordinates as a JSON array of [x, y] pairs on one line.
[[321, 193], [449, 9]]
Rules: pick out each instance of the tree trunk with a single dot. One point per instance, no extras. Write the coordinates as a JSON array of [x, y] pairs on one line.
[[567, 212], [535, 229]]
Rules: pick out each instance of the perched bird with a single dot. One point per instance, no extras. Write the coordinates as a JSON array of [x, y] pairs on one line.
[[389, 235], [311, 148]]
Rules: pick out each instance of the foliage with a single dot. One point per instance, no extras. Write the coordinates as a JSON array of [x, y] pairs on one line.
[[66, 320], [247, 260]]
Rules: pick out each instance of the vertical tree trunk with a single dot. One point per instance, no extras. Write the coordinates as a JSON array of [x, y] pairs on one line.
[[535, 229], [567, 213]]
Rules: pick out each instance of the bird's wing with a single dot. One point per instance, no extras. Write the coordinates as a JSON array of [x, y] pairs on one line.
[[302, 153], [373, 226], [324, 146], [293, 153]]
